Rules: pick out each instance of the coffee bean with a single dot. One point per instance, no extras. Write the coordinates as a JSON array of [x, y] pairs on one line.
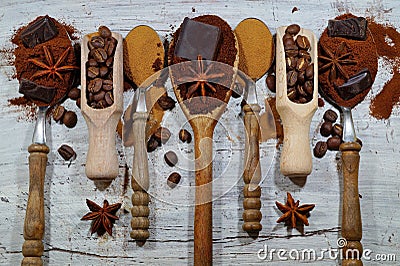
[[99, 96], [70, 119], [291, 94], [99, 55], [302, 42], [102, 104], [109, 98], [291, 63], [310, 71], [271, 83], [302, 100], [166, 102], [109, 61], [330, 116], [107, 85], [103, 71], [162, 135], [309, 87], [185, 136], [74, 94], [300, 91], [95, 85], [320, 149], [287, 36], [104, 32], [306, 55], [333, 143], [93, 72], [170, 158], [91, 63], [97, 42], [326, 129], [67, 152], [58, 113], [291, 78], [301, 78], [293, 29], [337, 130], [173, 180], [111, 43], [78, 103], [288, 41], [152, 144], [291, 50], [301, 64]]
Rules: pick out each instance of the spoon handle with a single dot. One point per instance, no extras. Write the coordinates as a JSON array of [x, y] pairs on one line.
[[351, 216], [252, 171], [140, 180], [32, 248]]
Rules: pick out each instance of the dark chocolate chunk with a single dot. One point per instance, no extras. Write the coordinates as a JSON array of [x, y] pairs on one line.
[[355, 85], [34, 91], [352, 28], [39, 32], [197, 38]]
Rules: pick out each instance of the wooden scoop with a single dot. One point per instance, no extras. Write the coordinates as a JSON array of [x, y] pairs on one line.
[[102, 161], [143, 48], [296, 118], [256, 53]]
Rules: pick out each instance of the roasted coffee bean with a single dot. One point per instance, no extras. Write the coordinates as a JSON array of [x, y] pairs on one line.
[[320, 149], [97, 42], [330, 116], [310, 71], [102, 104], [99, 55], [271, 83], [291, 78], [99, 96], [111, 43], [302, 100], [288, 41], [301, 64], [90, 97], [173, 180], [103, 71], [93, 72], [291, 50], [291, 63], [162, 135], [293, 29], [301, 78], [300, 91], [110, 61], [70, 119], [104, 32], [306, 55], [337, 130], [58, 113], [326, 129], [309, 87], [334, 143], [302, 42], [170, 158], [291, 94], [166, 102], [67, 152], [107, 85], [78, 103], [74, 94], [91, 63], [109, 98], [287, 36], [95, 85], [185, 136], [152, 144]]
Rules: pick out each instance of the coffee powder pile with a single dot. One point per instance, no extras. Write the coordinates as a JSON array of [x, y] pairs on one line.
[[387, 39]]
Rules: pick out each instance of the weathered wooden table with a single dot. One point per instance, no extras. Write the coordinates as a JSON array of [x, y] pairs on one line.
[[67, 239]]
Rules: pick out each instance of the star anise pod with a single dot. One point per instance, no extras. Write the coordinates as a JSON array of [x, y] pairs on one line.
[[293, 212], [50, 68], [201, 77], [334, 61], [103, 218]]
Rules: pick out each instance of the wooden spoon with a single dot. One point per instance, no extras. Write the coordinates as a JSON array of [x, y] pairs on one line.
[[296, 118], [102, 161], [143, 48], [256, 53]]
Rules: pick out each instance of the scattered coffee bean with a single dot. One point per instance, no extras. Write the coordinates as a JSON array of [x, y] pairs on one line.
[[166, 102], [293, 29], [337, 130], [67, 152], [173, 179], [333, 143], [162, 135], [330, 116], [320, 149], [74, 94], [58, 113], [170, 158], [185, 136], [104, 32], [70, 119], [152, 144], [326, 129], [271, 83]]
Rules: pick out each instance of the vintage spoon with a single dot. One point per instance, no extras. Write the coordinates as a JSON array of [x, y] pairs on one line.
[[256, 53], [102, 161], [296, 160]]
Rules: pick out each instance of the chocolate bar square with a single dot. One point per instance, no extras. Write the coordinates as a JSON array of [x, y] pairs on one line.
[[39, 32], [355, 85], [197, 38], [352, 28], [33, 91]]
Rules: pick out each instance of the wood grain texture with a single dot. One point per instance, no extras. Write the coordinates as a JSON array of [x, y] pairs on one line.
[[67, 240]]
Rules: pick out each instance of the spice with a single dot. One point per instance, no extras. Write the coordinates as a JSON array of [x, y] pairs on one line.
[[292, 212], [387, 39], [354, 55]]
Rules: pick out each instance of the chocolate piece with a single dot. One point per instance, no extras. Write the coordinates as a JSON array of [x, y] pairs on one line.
[[197, 38], [353, 28], [355, 85], [39, 32], [35, 91]]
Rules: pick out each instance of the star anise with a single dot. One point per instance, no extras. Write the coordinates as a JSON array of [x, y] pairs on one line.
[[201, 76], [103, 218], [293, 212], [334, 61], [50, 68]]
